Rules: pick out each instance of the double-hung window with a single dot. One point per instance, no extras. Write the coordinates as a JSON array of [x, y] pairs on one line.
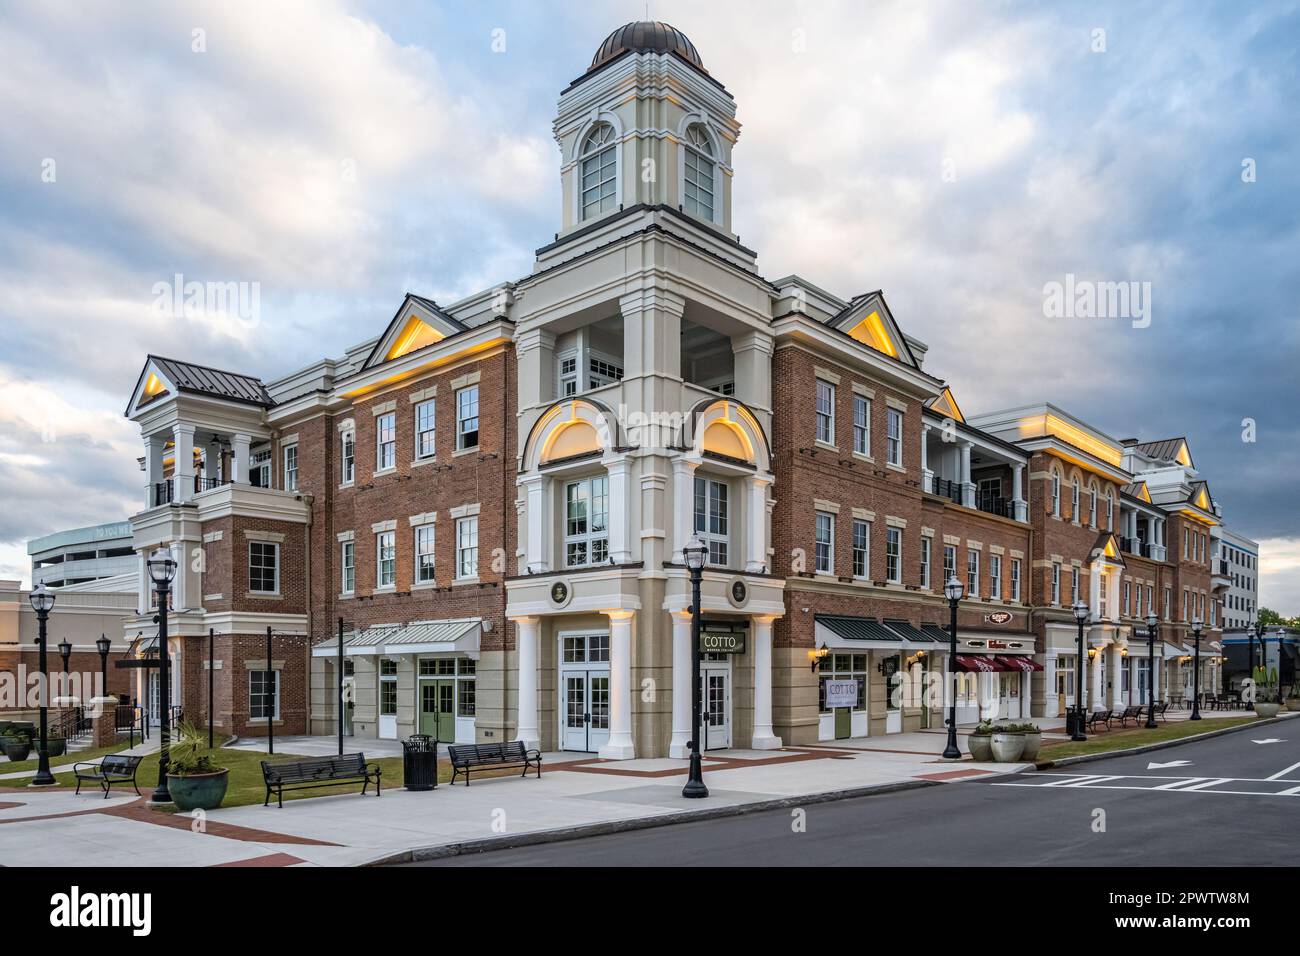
[[467, 547], [264, 695], [972, 573], [348, 458], [386, 559], [861, 549], [599, 168], [424, 553], [1056, 494], [386, 441], [995, 576], [1092, 508], [291, 467], [949, 562], [711, 518], [586, 522], [697, 190], [894, 438], [824, 543], [926, 544], [1074, 585], [263, 567], [1015, 580], [862, 424], [1128, 593], [1056, 585], [894, 555], [467, 418], [825, 412], [1074, 501], [425, 431], [348, 566]]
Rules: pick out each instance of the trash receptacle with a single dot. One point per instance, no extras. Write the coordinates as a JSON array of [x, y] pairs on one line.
[[420, 762]]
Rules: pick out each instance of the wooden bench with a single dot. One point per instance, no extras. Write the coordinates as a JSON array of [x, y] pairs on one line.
[[317, 772], [1099, 717], [1133, 712], [466, 757], [111, 769]]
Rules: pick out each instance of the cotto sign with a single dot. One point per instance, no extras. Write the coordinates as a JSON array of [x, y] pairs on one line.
[[722, 642]]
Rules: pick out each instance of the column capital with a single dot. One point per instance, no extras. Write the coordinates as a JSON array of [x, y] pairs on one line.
[[619, 614], [528, 620], [183, 428]]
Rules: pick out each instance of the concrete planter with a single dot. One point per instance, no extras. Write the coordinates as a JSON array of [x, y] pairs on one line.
[[1007, 748], [1293, 703], [980, 747], [1266, 711], [56, 746], [1033, 743], [198, 791], [17, 748]]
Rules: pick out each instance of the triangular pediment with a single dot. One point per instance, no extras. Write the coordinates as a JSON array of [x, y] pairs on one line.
[[418, 324], [869, 321], [1201, 496], [153, 385], [1107, 550], [946, 405], [1140, 490]]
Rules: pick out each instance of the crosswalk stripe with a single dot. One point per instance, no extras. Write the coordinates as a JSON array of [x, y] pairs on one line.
[[1282, 773], [1180, 783], [1208, 782]]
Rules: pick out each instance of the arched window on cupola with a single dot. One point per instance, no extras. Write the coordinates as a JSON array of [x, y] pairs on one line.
[[599, 169], [699, 166]]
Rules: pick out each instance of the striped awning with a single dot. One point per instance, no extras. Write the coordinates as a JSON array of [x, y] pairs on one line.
[[419, 637], [976, 663], [1019, 662]]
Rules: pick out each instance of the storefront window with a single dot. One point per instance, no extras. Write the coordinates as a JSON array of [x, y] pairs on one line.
[[388, 698], [843, 667], [465, 698], [1065, 675]]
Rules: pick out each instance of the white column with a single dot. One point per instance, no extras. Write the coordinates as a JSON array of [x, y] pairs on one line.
[[1097, 695], [1018, 492], [620, 510], [764, 738], [683, 504], [1114, 661], [537, 497], [967, 486], [756, 539], [183, 470], [927, 476], [1049, 686], [1095, 584], [212, 460], [620, 745], [153, 466], [678, 746], [239, 452], [526, 634]]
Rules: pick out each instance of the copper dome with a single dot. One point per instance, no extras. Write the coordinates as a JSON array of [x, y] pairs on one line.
[[647, 36]]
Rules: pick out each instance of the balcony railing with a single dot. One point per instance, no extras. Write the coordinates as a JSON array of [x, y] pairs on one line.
[[995, 505], [948, 489], [164, 492], [1223, 569]]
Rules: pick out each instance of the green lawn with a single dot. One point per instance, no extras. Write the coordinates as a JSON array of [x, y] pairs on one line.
[[10, 766], [1117, 739]]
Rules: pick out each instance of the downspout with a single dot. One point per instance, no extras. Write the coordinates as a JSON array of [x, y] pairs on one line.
[[309, 500], [509, 357]]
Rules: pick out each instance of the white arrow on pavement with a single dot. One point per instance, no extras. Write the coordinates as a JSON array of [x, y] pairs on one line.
[[1270, 740], [1172, 763]]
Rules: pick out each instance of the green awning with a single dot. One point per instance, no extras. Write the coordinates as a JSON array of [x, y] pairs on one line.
[[858, 628]]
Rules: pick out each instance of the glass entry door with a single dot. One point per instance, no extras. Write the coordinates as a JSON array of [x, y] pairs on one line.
[[715, 707], [586, 710], [438, 709], [154, 699]]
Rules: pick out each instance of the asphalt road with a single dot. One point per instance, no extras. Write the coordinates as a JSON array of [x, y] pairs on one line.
[[1234, 802]]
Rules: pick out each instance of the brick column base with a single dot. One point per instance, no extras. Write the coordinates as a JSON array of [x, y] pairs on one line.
[[104, 727]]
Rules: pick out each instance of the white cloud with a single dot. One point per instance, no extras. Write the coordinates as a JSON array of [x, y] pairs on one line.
[[1279, 575]]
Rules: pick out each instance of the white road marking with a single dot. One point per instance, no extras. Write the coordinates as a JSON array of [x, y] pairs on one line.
[[1172, 763], [1292, 792], [1269, 740], [1211, 782], [1076, 781], [1288, 793], [1177, 784], [1282, 773]]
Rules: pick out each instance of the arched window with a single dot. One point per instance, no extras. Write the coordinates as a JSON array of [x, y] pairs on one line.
[[1056, 493], [599, 167], [1074, 500], [697, 189]]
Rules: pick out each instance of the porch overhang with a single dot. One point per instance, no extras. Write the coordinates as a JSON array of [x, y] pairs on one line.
[[457, 636]]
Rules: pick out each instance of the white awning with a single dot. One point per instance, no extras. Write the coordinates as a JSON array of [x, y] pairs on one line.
[[459, 636]]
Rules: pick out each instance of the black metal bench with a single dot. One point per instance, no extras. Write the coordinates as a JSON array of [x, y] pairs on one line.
[[1133, 712], [1100, 717], [111, 769], [466, 757], [317, 772], [1160, 710]]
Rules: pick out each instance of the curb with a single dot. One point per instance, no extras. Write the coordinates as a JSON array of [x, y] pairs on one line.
[[562, 834], [1160, 745]]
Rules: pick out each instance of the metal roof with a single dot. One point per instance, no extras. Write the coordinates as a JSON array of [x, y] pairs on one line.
[[1164, 450], [385, 637], [647, 36], [908, 632], [858, 628], [201, 380]]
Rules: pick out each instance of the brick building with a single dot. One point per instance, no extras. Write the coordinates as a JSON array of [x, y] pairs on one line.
[[490, 498]]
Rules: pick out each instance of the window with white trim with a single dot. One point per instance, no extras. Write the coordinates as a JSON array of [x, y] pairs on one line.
[[894, 437], [386, 441], [603, 371], [949, 562], [1015, 580], [1092, 507], [291, 467], [259, 469], [599, 170], [348, 458], [425, 429], [424, 560], [862, 424], [568, 374], [972, 573], [894, 555], [995, 576], [1056, 494], [264, 695], [263, 567], [1128, 595], [861, 549], [824, 543], [825, 412], [586, 522], [348, 566], [467, 547], [386, 559], [697, 189], [467, 417], [926, 544], [712, 518], [1074, 500], [1056, 585], [1074, 585]]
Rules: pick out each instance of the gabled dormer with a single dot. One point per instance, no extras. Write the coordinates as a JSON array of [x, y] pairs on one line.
[[417, 324], [868, 320], [945, 404]]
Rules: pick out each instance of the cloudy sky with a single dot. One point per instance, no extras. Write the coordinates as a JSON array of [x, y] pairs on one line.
[[960, 156]]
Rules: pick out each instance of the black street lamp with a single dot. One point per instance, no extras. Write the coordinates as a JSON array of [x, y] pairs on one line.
[[42, 600], [1152, 623], [1081, 615], [65, 651], [694, 554], [1196, 669], [162, 568], [103, 645], [953, 591]]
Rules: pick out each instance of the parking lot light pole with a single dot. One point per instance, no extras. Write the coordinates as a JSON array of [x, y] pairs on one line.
[[162, 568], [693, 554], [1152, 623], [103, 645], [953, 592], [42, 600], [1080, 619], [1196, 669]]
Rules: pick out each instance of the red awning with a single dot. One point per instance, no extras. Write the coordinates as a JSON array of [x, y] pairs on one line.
[[1018, 662], [976, 663]]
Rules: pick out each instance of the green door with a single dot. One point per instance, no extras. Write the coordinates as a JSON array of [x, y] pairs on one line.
[[429, 707], [447, 711], [843, 723]]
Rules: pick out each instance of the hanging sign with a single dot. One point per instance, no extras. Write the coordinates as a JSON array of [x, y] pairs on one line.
[[722, 642], [998, 617], [841, 693]]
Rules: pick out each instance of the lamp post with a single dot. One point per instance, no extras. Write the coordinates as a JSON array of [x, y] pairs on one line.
[[162, 568], [953, 591], [1196, 669], [694, 554], [103, 645], [42, 601], [65, 651], [1080, 618], [1152, 623]]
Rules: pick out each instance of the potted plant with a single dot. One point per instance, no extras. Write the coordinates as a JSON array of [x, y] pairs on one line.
[[1008, 744], [1267, 703], [980, 742], [194, 779], [1033, 741], [1293, 697], [55, 745], [16, 744]]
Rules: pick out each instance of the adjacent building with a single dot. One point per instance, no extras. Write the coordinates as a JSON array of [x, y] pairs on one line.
[[82, 555], [486, 503]]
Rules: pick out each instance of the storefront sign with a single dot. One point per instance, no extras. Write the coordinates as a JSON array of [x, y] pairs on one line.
[[998, 617], [722, 642], [841, 693]]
